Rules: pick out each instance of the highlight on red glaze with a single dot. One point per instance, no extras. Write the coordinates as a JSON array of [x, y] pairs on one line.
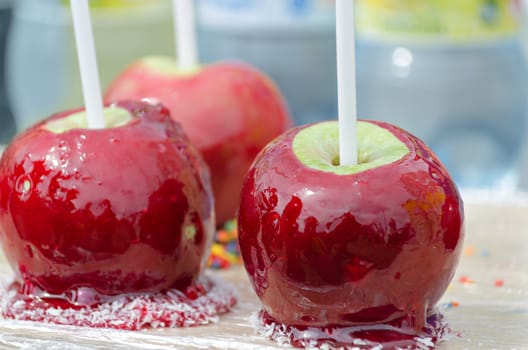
[[229, 110], [373, 247], [120, 210]]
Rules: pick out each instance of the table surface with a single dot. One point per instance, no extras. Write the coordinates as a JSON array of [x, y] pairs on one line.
[[487, 302]]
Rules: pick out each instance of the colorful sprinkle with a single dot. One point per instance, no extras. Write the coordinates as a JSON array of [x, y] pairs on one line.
[[451, 304], [225, 252], [499, 283], [465, 280], [231, 226], [469, 250], [485, 253]]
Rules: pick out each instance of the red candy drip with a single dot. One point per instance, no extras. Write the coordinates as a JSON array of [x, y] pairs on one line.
[[201, 303], [387, 336]]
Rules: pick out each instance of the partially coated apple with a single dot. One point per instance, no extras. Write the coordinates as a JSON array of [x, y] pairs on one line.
[[123, 209], [229, 110], [325, 244]]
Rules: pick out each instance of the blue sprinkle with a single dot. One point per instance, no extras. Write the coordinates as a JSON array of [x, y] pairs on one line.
[[485, 253], [232, 246]]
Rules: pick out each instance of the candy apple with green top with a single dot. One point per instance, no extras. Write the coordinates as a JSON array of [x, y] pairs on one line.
[[123, 209], [229, 110], [326, 244]]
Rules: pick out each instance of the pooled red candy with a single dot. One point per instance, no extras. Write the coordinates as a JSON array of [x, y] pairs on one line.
[[341, 249]]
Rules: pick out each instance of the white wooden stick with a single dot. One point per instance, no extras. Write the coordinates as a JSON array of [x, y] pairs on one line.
[[185, 33], [93, 100], [346, 82]]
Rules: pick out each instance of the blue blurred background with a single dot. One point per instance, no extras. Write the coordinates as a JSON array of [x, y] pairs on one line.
[[452, 72]]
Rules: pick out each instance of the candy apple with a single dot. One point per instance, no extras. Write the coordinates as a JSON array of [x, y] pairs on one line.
[[229, 110], [123, 209], [326, 244]]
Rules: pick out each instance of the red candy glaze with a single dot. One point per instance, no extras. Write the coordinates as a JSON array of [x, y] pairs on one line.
[[110, 209], [229, 110], [323, 249]]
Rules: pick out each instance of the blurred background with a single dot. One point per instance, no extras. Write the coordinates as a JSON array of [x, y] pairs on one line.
[[452, 72]]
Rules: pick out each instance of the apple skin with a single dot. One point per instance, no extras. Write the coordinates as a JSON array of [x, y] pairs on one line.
[[229, 110], [106, 208], [324, 249]]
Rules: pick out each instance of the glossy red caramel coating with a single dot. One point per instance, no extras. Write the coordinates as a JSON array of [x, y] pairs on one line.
[[229, 110], [108, 208], [325, 249]]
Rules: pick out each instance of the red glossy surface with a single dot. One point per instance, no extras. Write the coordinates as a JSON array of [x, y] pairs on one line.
[[106, 209], [230, 112], [324, 249]]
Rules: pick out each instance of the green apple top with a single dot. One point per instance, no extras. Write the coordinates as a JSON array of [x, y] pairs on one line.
[[113, 117], [376, 147]]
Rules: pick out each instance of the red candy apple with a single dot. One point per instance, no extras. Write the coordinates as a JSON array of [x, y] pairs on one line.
[[325, 244], [230, 112], [123, 209]]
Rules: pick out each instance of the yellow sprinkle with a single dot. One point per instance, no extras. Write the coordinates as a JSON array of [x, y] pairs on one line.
[[469, 250], [217, 249]]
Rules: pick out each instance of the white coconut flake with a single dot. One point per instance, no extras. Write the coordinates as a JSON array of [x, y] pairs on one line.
[[155, 310]]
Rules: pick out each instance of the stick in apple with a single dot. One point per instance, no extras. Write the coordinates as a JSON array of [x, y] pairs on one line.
[[346, 81], [93, 101], [185, 33]]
